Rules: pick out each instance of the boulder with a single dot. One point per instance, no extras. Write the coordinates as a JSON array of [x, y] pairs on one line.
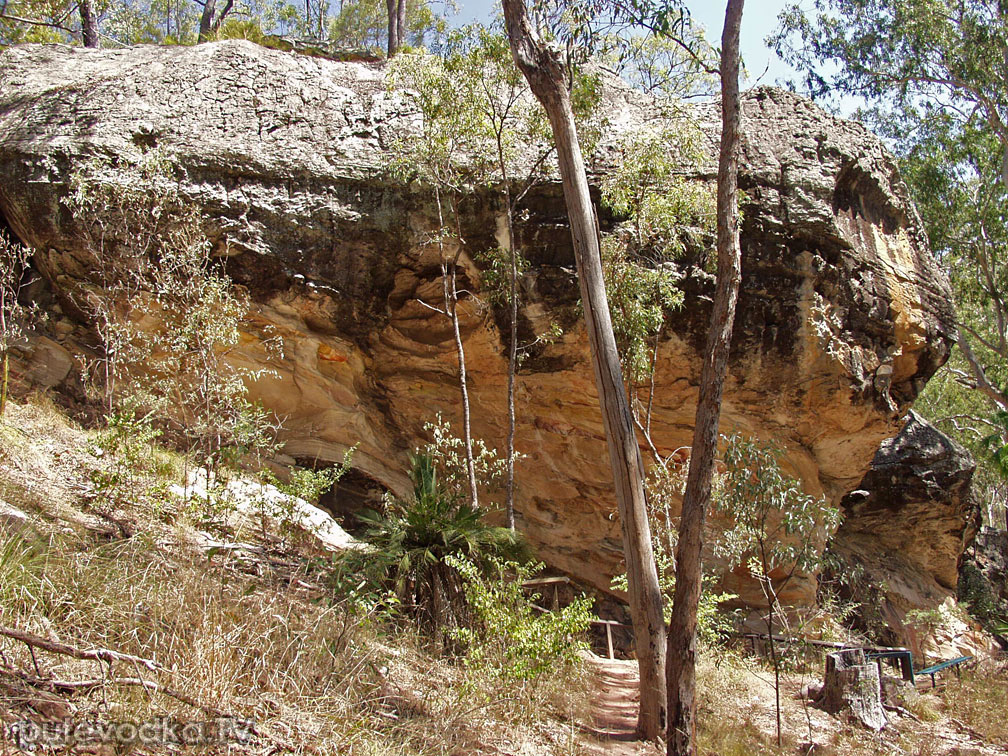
[[904, 529], [842, 317]]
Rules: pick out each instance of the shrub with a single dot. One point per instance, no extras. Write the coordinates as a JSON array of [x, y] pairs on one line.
[[506, 636], [125, 445], [665, 484], [411, 542], [166, 314]]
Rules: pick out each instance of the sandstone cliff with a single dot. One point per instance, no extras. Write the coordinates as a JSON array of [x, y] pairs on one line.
[[842, 317]]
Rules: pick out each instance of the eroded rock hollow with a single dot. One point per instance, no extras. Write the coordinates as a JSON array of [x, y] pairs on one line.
[[843, 314]]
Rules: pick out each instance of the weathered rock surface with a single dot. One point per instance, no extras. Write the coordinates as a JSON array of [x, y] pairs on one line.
[[842, 318], [911, 516], [904, 530]]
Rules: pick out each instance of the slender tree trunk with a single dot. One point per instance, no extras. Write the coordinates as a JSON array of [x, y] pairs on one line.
[[211, 20], [681, 657], [512, 362], [463, 387], [450, 293], [771, 596], [5, 381], [89, 23], [206, 19], [393, 27], [400, 24], [776, 669], [545, 73]]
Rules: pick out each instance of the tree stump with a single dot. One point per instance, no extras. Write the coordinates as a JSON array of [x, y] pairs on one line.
[[852, 685]]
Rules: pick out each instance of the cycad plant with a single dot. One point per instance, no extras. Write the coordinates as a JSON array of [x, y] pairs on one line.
[[411, 540]]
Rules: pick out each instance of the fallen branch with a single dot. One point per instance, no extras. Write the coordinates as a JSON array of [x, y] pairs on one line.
[[965, 728], [77, 686], [901, 711], [96, 654]]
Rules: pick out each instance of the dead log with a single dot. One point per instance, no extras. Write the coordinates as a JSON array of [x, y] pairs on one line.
[[852, 687]]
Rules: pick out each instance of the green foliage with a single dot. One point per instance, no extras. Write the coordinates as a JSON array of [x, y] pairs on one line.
[[949, 401], [411, 540], [639, 296], [652, 187], [363, 24], [853, 598], [56, 22], [665, 212], [310, 485], [974, 590], [495, 273], [507, 637], [450, 128], [664, 488], [663, 67], [446, 453], [772, 527], [302, 485], [774, 523], [479, 124], [615, 32], [926, 621], [166, 314], [355, 24], [125, 447]]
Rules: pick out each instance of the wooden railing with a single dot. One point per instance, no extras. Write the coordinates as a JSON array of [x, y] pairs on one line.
[[596, 622]]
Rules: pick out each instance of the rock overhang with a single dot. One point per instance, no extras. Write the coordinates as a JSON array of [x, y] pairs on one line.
[[843, 314]]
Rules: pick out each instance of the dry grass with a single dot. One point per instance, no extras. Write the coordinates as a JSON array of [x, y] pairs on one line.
[[732, 716], [256, 635], [979, 700], [736, 716]]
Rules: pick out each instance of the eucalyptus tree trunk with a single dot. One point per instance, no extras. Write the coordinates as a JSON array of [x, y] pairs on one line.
[[396, 25], [545, 73], [89, 23], [400, 23], [393, 28], [681, 656], [450, 280], [4, 381], [211, 20], [512, 365], [449, 283]]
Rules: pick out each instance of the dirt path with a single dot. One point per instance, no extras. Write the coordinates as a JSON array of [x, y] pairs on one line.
[[614, 709]]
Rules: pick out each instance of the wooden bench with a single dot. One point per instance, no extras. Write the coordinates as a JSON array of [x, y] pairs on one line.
[[933, 670], [900, 656]]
